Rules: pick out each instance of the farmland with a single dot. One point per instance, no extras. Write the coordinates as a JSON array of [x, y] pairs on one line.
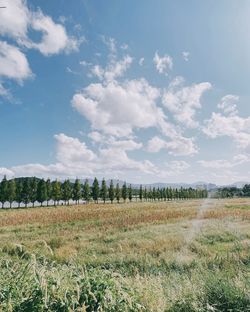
[[186, 255]]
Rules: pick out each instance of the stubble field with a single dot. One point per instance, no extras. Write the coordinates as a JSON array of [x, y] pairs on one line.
[[152, 256]]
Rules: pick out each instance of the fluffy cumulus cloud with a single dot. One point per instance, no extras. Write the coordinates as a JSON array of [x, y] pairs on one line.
[[72, 151], [114, 69], [179, 146], [176, 167], [233, 126], [117, 108], [6, 172], [17, 19], [54, 36], [183, 101], [237, 160], [110, 161], [13, 63], [228, 104], [16, 22], [74, 158], [163, 64]]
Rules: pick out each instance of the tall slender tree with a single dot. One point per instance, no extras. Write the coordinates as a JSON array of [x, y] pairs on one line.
[[33, 190], [86, 191], [3, 191], [76, 193], [104, 191], [124, 192], [140, 193], [27, 192], [150, 194], [95, 190], [11, 191], [56, 191], [19, 191], [66, 191], [145, 194], [130, 193], [111, 191], [117, 192], [42, 195], [49, 191], [154, 193]]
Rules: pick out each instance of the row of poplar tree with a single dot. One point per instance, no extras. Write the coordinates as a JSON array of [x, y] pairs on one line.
[[32, 190]]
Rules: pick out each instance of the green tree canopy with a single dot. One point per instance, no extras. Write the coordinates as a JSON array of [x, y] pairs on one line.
[[111, 191], [95, 190]]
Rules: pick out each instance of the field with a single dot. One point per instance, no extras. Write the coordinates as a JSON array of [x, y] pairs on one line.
[[152, 256]]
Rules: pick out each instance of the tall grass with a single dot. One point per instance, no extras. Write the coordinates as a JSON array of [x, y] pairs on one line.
[[33, 286], [127, 257]]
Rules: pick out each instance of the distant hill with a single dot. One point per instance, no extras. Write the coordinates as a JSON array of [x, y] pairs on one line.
[[199, 184]]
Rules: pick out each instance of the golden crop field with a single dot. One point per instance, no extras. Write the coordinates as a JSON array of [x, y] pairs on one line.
[[159, 256]]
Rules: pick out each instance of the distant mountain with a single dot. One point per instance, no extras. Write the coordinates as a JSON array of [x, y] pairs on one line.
[[239, 184], [208, 186], [198, 184]]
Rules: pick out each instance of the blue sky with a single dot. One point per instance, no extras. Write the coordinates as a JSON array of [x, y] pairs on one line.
[[145, 91]]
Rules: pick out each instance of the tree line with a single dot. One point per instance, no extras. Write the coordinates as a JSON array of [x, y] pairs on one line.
[[31, 190], [229, 192]]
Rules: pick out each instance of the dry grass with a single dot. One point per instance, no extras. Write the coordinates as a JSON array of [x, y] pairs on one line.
[[162, 249], [122, 214]]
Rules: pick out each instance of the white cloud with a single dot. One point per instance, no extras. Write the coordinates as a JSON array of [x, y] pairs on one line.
[[114, 69], [84, 63], [185, 55], [96, 136], [3, 91], [179, 146], [13, 63], [6, 172], [14, 19], [116, 108], [54, 39], [233, 126], [237, 160], [163, 64], [228, 104], [76, 159], [183, 102], [141, 61], [17, 19], [72, 151], [16, 22], [176, 166], [126, 145], [111, 44], [216, 164], [116, 159], [124, 46]]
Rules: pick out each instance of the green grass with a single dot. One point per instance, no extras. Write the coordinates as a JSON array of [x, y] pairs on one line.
[[164, 256]]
